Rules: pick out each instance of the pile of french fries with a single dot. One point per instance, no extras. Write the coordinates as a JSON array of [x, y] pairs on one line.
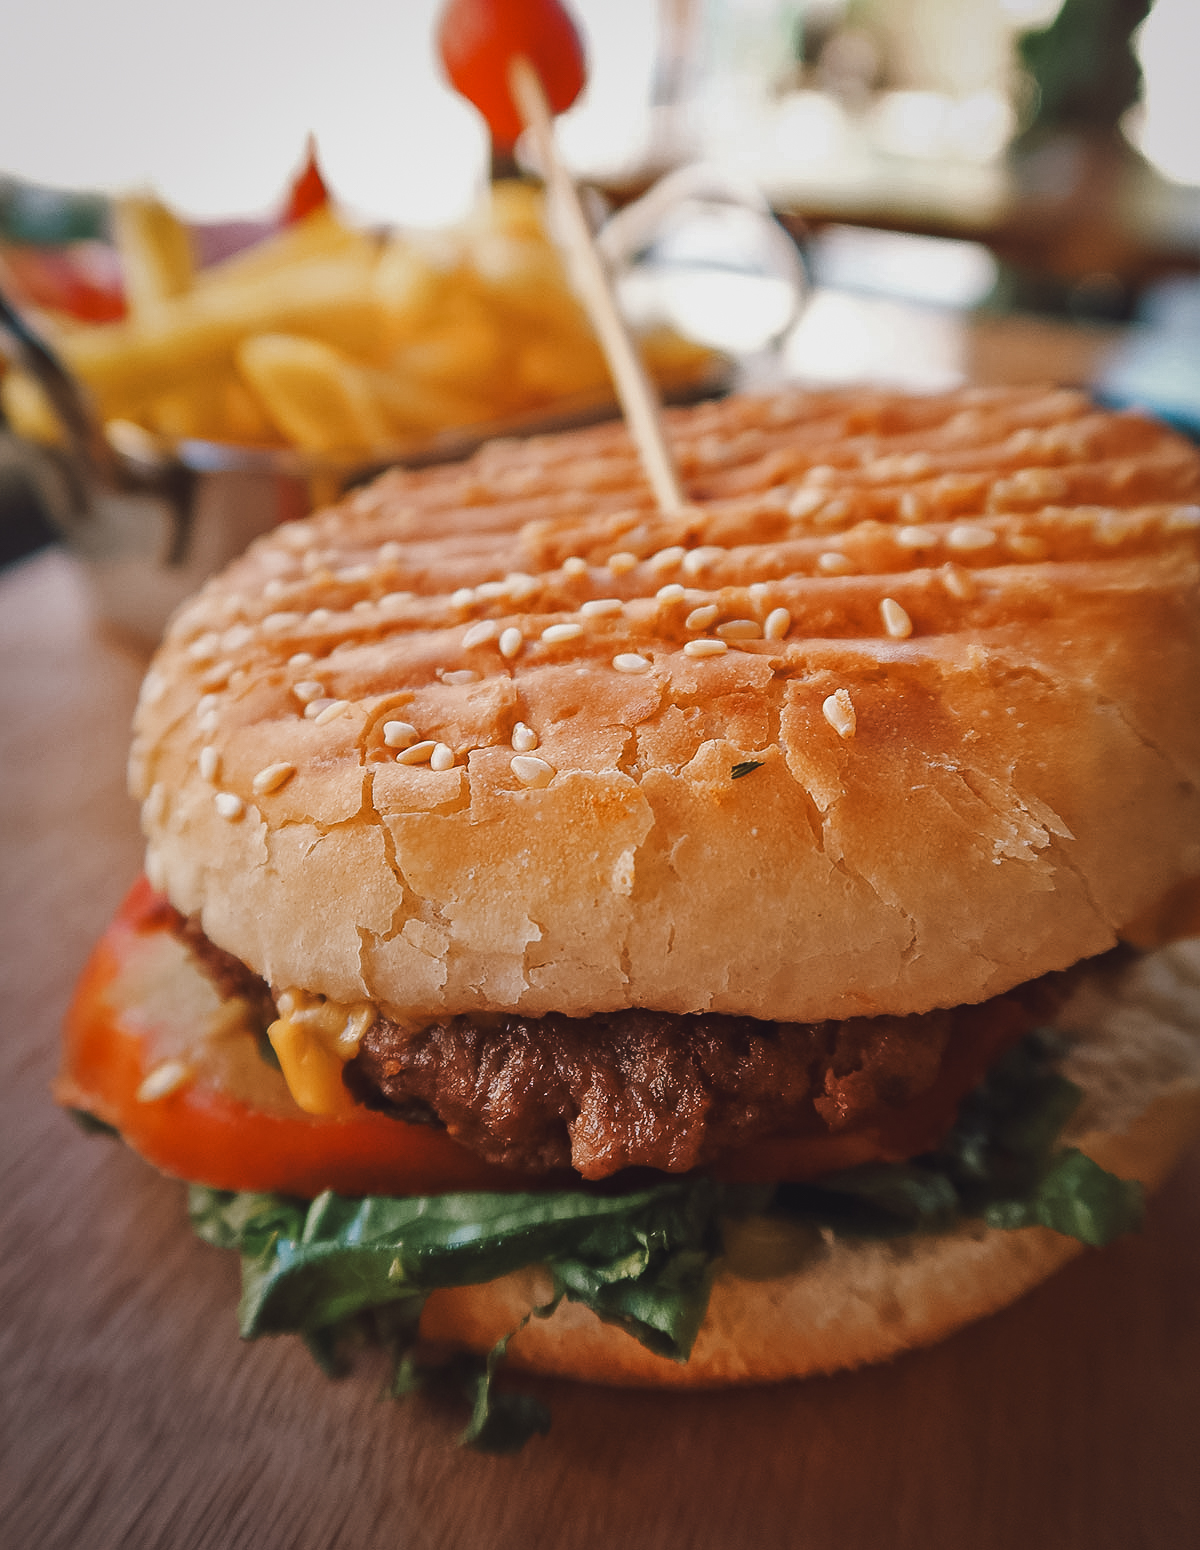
[[337, 341]]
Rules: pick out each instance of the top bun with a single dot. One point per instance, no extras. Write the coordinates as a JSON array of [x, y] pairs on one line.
[[904, 710]]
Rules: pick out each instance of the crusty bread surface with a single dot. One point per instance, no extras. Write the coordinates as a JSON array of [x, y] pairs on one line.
[[902, 710], [845, 1304]]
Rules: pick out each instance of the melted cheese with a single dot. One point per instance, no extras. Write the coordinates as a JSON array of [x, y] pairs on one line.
[[313, 1039]]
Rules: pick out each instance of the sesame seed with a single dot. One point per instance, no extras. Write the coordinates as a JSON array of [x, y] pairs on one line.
[[916, 537], [959, 583], [155, 806], [531, 771], [1027, 546], [520, 585], [307, 690], [399, 734], [574, 565], [838, 710], [271, 778], [393, 602], [301, 659], [154, 686], [442, 757], [353, 574], [740, 629], [597, 607], [217, 676], [166, 1078], [631, 662], [209, 763], [460, 675], [895, 620], [390, 552], [229, 805], [209, 720], [463, 597], [758, 591], [701, 618], [275, 624], [314, 708], [207, 703], [419, 753], [511, 641], [205, 647], [832, 514], [804, 502], [1183, 519], [479, 634], [622, 562], [965, 537], [274, 589], [1110, 527], [364, 606], [910, 507], [489, 591], [700, 559], [524, 739], [554, 633], [666, 558], [331, 712], [319, 617], [834, 563], [237, 636], [779, 622], [705, 648], [671, 593]]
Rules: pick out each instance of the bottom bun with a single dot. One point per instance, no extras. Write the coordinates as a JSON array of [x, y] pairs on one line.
[[858, 1303], [852, 1303]]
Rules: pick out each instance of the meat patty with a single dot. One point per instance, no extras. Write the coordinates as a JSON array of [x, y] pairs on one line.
[[653, 1089], [643, 1089]]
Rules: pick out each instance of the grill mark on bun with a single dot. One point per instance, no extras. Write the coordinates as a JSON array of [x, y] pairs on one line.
[[972, 571]]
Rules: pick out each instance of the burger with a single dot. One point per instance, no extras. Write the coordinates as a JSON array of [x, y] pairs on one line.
[[675, 948]]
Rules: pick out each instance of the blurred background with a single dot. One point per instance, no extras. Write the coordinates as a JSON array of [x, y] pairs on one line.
[[989, 190]]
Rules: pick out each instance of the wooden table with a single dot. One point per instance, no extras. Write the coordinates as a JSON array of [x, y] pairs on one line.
[[132, 1417]]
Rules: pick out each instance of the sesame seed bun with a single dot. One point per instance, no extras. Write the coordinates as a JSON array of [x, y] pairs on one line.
[[904, 710], [841, 1303]]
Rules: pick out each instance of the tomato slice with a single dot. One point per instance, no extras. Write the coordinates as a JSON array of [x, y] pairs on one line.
[[200, 1133]]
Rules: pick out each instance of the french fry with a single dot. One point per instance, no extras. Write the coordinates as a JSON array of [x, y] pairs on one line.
[[412, 280], [27, 409], [418, 408], [157, 261], [328, 299], [219, 407], [336, 340], [314, 395], [319, 235], [466, 347]]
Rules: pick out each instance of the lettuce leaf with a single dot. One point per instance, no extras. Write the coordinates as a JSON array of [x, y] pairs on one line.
[[641, 1256]]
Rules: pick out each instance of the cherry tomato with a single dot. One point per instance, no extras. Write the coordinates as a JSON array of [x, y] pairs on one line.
[[308, 191], [479, 38]]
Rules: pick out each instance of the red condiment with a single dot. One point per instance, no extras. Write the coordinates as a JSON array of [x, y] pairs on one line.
[[478, 40], [308, 191]]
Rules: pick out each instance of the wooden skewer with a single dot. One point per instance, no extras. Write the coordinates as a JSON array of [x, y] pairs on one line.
[[636, 392]]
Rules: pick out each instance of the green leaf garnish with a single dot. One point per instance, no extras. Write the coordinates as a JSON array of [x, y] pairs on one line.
[[338, 1271]]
